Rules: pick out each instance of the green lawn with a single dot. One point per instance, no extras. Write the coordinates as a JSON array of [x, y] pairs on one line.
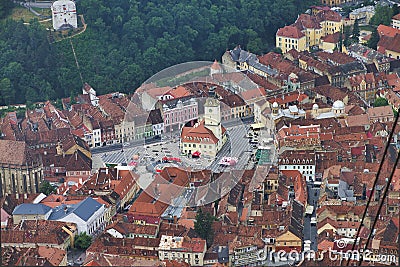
[[43, 11], [22, 13], [367, 28]]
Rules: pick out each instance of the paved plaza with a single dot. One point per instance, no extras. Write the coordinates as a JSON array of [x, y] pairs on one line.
[[243, 143]]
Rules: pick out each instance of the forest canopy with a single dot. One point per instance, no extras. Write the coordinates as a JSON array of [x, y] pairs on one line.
[[128, 41]]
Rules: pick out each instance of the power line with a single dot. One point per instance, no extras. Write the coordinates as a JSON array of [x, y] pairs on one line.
[[389, 180], [374, 185]]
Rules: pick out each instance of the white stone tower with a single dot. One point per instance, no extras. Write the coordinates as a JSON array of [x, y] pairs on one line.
[[212, 113], [64, 15]]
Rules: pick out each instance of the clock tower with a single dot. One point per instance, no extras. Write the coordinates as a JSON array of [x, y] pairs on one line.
[[212, 113]]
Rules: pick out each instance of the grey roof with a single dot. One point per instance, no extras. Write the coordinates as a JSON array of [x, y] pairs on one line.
[[366, 54], [155, 117], [84, 210], [29, 208], [223, 254], [352, 67], [296, 220], [345, 192], [240, 55]]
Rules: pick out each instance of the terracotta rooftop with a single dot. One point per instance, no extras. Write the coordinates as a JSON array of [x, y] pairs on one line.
[[332, 92], [332, 38], [384, 30], [384, 111], [335, 58], [198, 134], [290, 32], [8, 155], [131, 228], [138, 246], [288, 98], [389, 43], [40, 231], [357, 120]]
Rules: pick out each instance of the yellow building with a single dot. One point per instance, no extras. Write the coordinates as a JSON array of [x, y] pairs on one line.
[[288, 241], [308, 30], [290, 37], [330, 42], [390, 46], [332, 3], [310, 26], [396, 21]]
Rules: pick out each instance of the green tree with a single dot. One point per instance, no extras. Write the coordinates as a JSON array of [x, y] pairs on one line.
[[356, 32], [379, 102], [46, 188], [5, 8], [383, 15], [277, 50], [373, 41], [72, 97], [395, 113], [395, 10], [203, 226], [127, 42], [6, 92], [83, 241], [346, 33]]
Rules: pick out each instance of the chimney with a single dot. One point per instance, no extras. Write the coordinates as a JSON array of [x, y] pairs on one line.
[[16, 196], [26, 196], [76, 155]]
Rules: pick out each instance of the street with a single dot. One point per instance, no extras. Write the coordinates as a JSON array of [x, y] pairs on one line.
[[41, 4], [310, 231]]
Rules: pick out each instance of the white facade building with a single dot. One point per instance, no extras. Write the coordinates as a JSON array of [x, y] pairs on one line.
[[301, 160], [89, 216], [191, 251], [64, 15]]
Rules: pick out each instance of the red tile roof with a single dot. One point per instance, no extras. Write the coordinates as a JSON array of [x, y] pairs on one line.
[[305, 21], [384, 30], [198, 134], [396, 17], [290, 32], [390, 43], [127, 182], [332, 38], [179, 92], [288, 98], [336, 57], [329, 15]]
